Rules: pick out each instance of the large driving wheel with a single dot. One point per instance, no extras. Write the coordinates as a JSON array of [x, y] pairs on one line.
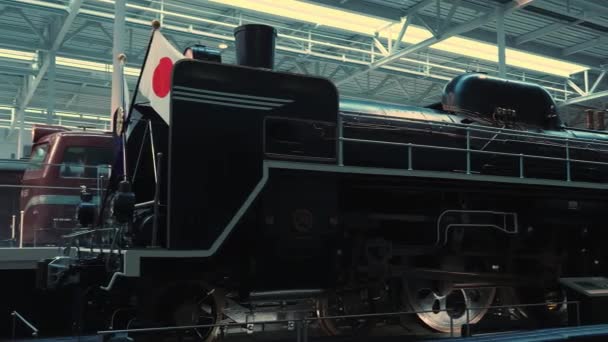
[[182, 304], [447, 312]]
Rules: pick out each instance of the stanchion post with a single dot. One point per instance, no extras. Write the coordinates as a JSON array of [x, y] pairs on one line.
[[568, 177], [13, 227], [21, 228], [159, 158], [468, 151], [340, 141], [409, 156]]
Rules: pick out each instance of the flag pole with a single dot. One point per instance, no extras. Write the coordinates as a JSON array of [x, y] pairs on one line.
[[122, 58], [119, 116], [155, 27]]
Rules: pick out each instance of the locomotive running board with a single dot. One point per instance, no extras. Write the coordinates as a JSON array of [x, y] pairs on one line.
[[274, 164]]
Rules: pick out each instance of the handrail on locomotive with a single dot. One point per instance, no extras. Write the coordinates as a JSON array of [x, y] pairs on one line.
[[566, 144]]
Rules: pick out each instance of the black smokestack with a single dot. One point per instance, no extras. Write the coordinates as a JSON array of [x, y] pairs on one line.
[[255, 45]]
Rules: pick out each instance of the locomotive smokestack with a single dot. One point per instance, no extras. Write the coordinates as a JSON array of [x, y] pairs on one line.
[[255, 45]]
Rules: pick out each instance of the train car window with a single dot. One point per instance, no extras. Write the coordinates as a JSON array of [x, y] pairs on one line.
[[38, 156], [84, 161]]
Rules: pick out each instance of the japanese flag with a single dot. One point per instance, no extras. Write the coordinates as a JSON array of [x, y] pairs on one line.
[[155, 83]]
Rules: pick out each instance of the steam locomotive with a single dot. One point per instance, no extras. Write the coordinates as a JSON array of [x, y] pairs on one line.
[[267, 198]]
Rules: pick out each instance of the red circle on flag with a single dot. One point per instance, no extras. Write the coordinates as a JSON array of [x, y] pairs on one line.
[[161, 80]]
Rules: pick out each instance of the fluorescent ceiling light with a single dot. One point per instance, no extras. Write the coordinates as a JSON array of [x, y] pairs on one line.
[[69, 115], [316, 14], [94, 66], [369, 25], [42, 111], [15, 54]]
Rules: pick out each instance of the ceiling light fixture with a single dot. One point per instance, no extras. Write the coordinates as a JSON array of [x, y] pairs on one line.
[[93, 66], [15, 54]]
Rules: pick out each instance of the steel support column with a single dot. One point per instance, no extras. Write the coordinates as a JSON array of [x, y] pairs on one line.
[[405, 23], [501, 43], [585, 98], [119, 33], [50, 84]]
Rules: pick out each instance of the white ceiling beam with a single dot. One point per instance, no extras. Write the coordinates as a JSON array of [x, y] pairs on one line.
[[404, 25], [597, 82], [418, 7], [448, 18], [427, 26], [536, 34], [586, 98], [576, 88], [380, 47], [584, 46], [480, 21]]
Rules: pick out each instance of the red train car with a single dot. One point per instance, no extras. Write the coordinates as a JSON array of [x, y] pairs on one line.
[[11, 174], [61, 162]]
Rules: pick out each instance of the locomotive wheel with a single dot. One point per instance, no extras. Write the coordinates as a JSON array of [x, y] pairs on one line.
[[336, 305], [555, 310], [183, 304], [200, 307], [445, 312]]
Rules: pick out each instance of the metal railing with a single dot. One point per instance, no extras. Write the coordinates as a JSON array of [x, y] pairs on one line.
[[566, 146], [474, 140], [17, 317], [562, 148], [304, 323], [475, 128]]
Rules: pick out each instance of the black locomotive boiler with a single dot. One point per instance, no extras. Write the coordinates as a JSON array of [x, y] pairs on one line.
[[266, 197]]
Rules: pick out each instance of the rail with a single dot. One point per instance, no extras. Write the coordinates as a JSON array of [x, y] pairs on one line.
[[16, 316], [303, 323]]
